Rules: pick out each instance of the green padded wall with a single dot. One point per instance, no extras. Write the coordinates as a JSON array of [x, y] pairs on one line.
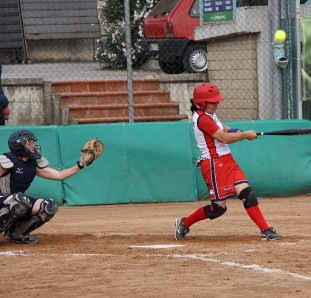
[[142, 162], [154, 162]]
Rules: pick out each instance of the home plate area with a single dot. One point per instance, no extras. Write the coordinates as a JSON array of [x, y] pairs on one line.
[[130, 251]]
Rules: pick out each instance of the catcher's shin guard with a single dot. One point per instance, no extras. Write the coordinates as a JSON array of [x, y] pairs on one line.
[[47, 210], [16, 208]]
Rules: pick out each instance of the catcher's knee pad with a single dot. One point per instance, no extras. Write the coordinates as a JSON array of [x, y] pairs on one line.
[[249, 196], [214, 210], [17, 207], [47, 210], [19, 204]]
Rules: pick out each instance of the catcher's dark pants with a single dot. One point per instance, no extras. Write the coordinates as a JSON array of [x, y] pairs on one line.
[[28, 215]]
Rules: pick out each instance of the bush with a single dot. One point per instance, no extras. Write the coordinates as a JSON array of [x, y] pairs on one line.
[[111, 51]]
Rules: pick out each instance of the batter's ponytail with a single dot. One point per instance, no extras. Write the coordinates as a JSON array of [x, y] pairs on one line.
[[193, 108]]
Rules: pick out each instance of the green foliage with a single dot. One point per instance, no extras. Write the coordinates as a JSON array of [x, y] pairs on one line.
[[111, 51]]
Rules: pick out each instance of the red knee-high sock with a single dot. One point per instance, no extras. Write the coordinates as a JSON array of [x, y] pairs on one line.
[[255, 214], [195, 217]]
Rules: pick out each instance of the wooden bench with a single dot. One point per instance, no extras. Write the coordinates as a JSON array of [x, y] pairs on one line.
[[11, 33], [23, 22], [60, 19]]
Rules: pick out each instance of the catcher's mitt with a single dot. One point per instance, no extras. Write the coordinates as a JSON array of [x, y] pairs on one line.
[[90, 151]]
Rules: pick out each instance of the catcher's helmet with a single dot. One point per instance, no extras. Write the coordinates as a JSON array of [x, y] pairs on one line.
[[17, 142], [206, 92]]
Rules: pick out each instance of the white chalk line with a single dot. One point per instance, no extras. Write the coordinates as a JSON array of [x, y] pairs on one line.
[[158, 246], [201, 257], [99, 235]]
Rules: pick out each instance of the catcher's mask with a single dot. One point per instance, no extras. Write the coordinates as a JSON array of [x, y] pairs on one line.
[[17, 141], [206, 92]]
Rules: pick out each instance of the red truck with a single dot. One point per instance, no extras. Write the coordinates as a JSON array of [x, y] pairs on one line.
[[168, 34]]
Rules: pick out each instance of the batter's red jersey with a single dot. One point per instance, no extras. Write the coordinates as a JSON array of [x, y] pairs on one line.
[[220, 171]]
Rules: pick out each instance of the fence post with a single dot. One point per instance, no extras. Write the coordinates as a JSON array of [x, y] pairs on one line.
[[276, 72], [129, 59], [298, 60]]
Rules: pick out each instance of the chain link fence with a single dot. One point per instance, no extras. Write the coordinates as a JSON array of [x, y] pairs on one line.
[[72, 61], [306, 63]]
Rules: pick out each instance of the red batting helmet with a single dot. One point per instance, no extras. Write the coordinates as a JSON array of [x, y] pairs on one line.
[[206, 92]]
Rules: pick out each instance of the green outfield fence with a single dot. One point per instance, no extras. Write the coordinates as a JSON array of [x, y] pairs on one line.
[[155, 162]]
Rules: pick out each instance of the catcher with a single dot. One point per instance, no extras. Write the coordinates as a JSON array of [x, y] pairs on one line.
[[21, 214]]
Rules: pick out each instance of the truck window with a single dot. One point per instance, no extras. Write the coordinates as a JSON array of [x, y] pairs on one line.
[[195, 9], [163, 8]]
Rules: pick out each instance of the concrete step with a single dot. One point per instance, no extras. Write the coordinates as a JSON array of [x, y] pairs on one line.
[[122, 110], [126, 119], [104, 86], [117, 97], [106, 101]]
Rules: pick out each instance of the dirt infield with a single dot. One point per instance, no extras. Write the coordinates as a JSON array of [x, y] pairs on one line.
[[118, 251]]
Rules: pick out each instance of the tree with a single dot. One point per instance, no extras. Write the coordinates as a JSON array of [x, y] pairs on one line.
[[111, 51]]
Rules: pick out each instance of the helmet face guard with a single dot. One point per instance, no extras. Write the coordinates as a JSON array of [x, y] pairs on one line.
[[17, 144], [206, 92]]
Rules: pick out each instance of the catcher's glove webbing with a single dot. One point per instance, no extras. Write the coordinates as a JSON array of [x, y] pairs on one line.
[[90, 151]]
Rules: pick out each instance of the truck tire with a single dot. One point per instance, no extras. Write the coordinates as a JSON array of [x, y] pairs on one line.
[[173, 67], [195, 59]]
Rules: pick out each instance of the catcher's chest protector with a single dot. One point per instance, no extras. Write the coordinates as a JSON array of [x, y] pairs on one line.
[[19, 177]]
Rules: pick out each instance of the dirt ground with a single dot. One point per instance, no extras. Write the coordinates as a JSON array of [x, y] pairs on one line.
[[129, 251]]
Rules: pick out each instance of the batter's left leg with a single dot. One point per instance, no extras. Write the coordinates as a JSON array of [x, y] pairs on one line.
[[250, 201]]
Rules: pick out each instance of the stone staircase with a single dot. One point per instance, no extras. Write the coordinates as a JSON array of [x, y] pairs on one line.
[[84, 102]]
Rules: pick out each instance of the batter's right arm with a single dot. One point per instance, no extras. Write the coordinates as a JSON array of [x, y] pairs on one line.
[[228, 138]]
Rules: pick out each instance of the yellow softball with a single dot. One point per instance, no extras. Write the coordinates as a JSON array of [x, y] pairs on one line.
[[280, 36]]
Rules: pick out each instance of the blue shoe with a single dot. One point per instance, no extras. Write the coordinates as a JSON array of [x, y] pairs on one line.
[[181, 230], [270, 234], [27, 239]]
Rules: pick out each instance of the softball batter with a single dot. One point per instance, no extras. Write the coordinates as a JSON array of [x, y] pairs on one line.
[[223, 176]]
